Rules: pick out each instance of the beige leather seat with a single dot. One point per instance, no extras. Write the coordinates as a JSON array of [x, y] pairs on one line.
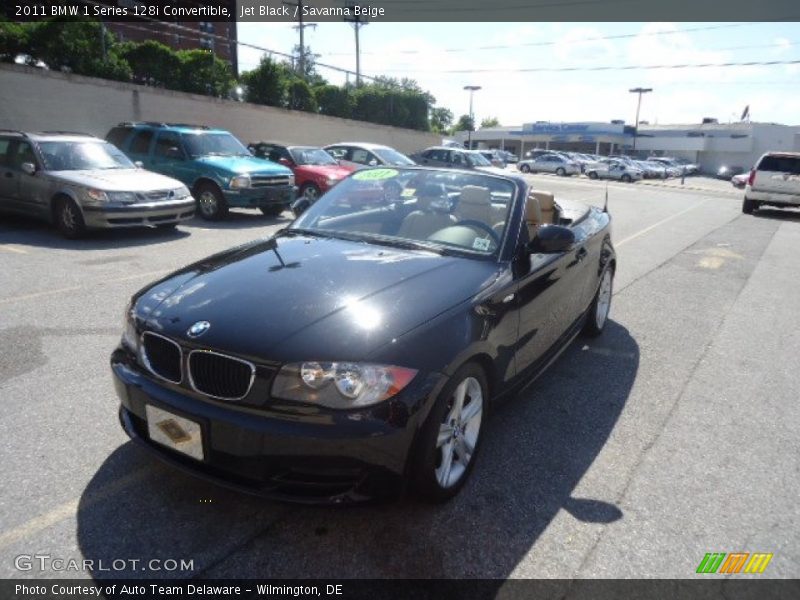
[[426, 220], [475, 204], [540, 209]]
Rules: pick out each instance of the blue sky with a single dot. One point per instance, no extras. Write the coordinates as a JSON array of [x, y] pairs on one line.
[[426, 51]]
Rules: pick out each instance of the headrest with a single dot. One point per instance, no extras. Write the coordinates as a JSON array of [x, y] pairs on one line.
[[431, 190], [474, 195], [538, 202]]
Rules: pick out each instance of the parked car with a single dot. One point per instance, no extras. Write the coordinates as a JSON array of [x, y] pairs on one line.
[[740, 181], [359, 154], [494, 158], [549, 163], [315, 171], [537, 152], [509, 157], [439, 156], [78, 182], [774, 181], [687, 167], [650, 169], [217, 167], [673, 169], [614, 169], [355, 349], [726, 172]]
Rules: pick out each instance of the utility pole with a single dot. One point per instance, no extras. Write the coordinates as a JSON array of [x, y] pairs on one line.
[[357, 21], [301, 28], [640, 91], [471, 89]]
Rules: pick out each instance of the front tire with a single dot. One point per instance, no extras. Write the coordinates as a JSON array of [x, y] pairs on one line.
[[597, 316], [525, 168], [592, 175], [561, 172], [626, 178], [749, 206], [451, 437], [68, 218], [211, 204], [311, 192]]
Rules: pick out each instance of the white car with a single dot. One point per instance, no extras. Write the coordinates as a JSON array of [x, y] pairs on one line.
[[549, 163], [774, 181], [357, 155], [614, 170]]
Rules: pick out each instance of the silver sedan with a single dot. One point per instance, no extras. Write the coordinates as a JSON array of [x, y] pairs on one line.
[[549, 163]]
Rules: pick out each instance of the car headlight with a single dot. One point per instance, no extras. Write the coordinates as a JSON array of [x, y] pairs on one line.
[[123, 197], [182, 192], [331, 181], [93, 195], [340, 384], [240, 181], [130, 337]]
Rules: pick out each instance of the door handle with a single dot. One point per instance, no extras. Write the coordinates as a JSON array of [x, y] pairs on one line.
[[581, 254], [508, 298]]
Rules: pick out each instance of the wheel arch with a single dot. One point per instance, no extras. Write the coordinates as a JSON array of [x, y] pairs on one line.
[[66, 194]]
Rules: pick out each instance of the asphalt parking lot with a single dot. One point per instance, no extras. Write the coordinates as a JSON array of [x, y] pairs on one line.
[[672, 435]]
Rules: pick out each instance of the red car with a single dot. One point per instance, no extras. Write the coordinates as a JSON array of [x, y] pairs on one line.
[[315, 171]]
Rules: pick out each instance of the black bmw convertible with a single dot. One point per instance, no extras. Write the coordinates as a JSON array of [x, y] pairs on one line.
[[360, 348]]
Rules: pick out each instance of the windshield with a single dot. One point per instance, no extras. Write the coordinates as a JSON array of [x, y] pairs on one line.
[[478, 160], [213, 144], [393, 157], [311, 156], [80, 156], [463, 213]]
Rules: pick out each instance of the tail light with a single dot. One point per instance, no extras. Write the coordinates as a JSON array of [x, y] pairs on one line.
[[752, 177]]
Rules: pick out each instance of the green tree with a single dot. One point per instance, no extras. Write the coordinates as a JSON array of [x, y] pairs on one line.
[[153, 63], [13, 39], [464, 123], [300, 96], [82, 47], [307, 68], [490, 122], [334, 101], [440, 119], [267, 83], [201, 72]]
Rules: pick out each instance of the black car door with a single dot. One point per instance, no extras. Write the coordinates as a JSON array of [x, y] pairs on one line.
[[549, 291]]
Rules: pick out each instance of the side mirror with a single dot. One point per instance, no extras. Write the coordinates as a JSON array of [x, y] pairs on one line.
[[28, 168], [552, 239], [300, 206], [139, 164], [373, 163], [285, 162]]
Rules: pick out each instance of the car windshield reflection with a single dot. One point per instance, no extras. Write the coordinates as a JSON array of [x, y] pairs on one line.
[[442, 211]]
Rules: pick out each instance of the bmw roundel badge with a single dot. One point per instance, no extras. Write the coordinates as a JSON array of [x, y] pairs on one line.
[[198, 329]]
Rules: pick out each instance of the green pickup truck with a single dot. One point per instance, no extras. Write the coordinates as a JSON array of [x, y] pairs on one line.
[[212, 163]]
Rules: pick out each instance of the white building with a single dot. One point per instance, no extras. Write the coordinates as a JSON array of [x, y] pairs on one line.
[[709, 144]]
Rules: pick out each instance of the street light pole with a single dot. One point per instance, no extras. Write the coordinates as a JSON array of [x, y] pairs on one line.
[[471, 89], [640, 91]]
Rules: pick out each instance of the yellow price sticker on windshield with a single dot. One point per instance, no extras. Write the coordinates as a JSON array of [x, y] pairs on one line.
[[408, 192], [375, 174]]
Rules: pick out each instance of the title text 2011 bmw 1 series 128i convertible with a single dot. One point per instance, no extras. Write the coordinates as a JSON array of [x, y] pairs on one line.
[[359, 348]]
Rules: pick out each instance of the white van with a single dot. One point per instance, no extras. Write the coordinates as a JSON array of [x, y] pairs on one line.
[[774, 181]]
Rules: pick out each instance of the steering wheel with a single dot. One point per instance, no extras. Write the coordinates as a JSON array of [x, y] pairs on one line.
[[483, 227]]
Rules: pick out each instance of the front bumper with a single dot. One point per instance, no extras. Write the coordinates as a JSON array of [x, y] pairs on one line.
[[136, 215], [298, 454], [261, 196]]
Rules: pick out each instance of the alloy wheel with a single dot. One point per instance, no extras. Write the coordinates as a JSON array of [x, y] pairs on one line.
[[208, 203], [458, 433]]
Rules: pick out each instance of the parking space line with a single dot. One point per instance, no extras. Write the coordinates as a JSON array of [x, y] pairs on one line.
[[69, 508], [13, 249], [661, 222], [74, 288]]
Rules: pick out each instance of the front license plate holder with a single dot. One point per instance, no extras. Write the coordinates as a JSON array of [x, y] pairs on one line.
[[174, 432]]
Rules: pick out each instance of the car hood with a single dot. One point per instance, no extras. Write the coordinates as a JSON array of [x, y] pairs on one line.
[[326, 171], [118, 180], [294, 298], [243, 164]]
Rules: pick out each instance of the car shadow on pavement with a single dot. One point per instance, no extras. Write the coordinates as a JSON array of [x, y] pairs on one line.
[[537, 447], [781, 214], [24, 231], [243, 219]]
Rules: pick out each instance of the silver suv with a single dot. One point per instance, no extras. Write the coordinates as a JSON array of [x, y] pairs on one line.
[[78, 181], [774, 181]]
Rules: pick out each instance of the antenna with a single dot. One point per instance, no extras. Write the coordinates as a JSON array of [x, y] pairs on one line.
[[605, 204]]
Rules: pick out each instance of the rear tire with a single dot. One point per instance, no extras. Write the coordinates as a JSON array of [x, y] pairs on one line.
[[597, 316], [561, 172], [592, 175], [211, 204], [273, 210], [525, 168], [626, 178], [68, 218], [749, 206], [450, 439]]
